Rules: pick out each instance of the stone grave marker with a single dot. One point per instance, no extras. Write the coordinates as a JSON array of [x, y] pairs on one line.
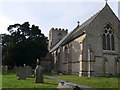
[[67, 86], [4, 69], [18, 70], [28, 71], [39, 74], [15, 69], [22, 73]]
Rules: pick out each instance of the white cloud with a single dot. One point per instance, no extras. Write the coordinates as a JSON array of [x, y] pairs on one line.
[[48, 15], [73, 14], [5, 22]]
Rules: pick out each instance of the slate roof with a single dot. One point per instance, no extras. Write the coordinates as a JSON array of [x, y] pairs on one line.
[[78, 31]]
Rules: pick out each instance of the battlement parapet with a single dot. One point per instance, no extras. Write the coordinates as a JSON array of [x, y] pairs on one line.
[[59, 29]]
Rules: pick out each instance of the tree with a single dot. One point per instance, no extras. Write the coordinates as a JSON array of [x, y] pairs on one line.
[[24, 45], [6, 44]]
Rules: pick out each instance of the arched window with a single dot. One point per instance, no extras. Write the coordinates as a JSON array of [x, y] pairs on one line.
[[66, 53], [112, 42], [108, 42], [104, 42], [108, 38], [70, 52]]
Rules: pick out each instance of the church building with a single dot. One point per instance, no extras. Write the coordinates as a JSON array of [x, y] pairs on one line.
[[91, 49]]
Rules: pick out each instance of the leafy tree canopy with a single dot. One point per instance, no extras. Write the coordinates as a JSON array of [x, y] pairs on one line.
[[24, 44]]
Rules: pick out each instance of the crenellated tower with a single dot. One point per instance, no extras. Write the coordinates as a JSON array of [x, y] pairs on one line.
[[55, 35]]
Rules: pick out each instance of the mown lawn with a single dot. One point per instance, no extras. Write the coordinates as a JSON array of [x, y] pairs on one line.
[[11, 81], [95, 82], [0, 81]]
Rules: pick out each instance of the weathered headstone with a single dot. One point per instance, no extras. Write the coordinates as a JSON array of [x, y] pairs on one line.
[[15, 69], [28, 71], [18, 70], [38, 73], [4, 69], [22, 73], [67, 86]]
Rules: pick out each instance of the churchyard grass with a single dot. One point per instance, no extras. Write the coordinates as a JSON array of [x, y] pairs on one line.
[[0, 81], [11, 81], [95, 82]]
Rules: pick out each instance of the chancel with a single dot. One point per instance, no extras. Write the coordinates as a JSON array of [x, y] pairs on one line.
[[91, 49]]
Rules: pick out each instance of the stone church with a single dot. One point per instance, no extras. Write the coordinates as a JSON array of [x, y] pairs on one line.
[[91, 49]]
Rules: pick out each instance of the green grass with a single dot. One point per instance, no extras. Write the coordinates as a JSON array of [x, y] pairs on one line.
[[11, 81], [95, 82], [0, 81]]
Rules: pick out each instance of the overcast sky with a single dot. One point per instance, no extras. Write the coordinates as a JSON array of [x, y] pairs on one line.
[[55, 13]]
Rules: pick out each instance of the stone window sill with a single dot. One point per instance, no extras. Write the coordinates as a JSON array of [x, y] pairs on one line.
[[109, 52], [65, 62]]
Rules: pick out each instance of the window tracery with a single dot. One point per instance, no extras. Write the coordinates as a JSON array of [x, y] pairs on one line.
[[108, 38]]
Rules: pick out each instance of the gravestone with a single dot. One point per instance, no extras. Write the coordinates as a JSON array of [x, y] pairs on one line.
[[22, 73], [4, 69], [18, 70], [28, 71], [67, 86], [15, 69], [39, 74]]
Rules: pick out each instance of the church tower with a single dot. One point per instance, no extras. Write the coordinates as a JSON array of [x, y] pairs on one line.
[[55, 35]]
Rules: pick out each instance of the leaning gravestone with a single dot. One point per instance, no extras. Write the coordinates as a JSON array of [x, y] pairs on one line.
[[39, 74]]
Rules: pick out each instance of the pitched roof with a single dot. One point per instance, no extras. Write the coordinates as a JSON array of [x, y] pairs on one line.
[[77, 31]]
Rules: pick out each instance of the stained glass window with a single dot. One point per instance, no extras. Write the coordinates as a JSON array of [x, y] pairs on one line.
[[108, 42], [112, 42], [108, 38]]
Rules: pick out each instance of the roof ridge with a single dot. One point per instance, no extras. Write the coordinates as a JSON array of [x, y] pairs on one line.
[[78, 30], [70, 33]]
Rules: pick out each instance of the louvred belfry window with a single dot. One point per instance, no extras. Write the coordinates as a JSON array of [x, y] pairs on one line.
[[108, 38]]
